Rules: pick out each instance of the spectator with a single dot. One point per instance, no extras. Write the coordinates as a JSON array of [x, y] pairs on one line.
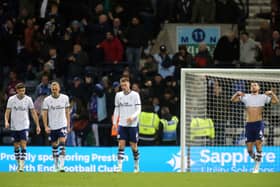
[[55, 63], [227, 11], [28, 35], [217, 106], [134, 43], [96, 33], [203, 58], [10, 89], [158, 85], [119, 12], [226, 53], [167, 99], [168, 127], [182, 59], [77, 90], [203, 11], [148, 126], [149, 67], [113, 49], [164, 61], [77, 33], [269, 49], [8, 44], [54, 23], [76, 62], [79, 121], [276, 58], [118, 30], [44, 88], [184, 10], [97, 114], [248, 51]]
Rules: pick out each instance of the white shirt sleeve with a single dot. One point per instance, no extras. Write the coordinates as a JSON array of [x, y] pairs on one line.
[[45, 105], [67, 103], [137, 106], [267, 99], [9, 104], [30, 104]]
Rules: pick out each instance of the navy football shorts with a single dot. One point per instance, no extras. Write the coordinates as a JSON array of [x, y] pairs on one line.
[[128, 133], [254, 131], [58, 133], [20, 135]]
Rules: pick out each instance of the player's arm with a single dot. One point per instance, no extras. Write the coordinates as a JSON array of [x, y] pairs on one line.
[[7, 117], [116, 110], [45, 120], [36, 120], [67, 113], [236, 97], [274, 98]]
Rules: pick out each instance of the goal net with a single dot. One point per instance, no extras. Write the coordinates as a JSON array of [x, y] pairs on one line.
[[212, 127]]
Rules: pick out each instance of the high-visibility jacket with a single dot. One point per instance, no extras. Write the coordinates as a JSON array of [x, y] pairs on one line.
[[169, 129], [148, 123], [202, 127]]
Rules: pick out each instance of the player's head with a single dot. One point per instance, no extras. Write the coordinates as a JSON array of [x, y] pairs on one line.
[[255, 88], [20, 89], [55, 88], [125, 84]]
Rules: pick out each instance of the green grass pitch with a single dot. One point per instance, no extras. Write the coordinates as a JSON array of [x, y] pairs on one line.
[[139, 180]]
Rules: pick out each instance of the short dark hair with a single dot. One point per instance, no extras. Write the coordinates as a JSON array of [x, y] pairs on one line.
[[244, 33], [124, 79], [20, 85]]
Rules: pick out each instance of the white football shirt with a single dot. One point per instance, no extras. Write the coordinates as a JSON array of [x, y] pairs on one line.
[[251, 100], [56, 110], [20, 112], [127, 105]]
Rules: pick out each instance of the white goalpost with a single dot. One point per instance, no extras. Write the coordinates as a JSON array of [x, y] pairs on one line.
[[209, 119]]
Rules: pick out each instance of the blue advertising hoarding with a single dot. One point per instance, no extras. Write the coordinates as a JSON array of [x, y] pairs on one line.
[[152, 159]]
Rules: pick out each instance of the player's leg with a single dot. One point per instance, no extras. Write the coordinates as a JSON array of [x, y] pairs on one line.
[[22, 155], [133, 139], [62, 135], [17, 153], [250, 140], [122, 136], [62, 153], [258, 143], [250, 149], [16, 147], [54, 143], [23, 135]]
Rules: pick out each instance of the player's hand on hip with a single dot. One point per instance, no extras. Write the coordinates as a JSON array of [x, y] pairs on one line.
[[47, 130], [129, 120], [38, 130]]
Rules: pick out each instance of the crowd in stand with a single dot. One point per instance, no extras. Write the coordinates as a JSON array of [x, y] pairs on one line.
[[88, 45]]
